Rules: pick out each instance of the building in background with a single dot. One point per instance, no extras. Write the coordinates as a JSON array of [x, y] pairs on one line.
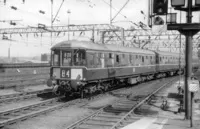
[[45, 57]]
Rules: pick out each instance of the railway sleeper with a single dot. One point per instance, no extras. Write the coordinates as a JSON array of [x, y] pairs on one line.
[[111, 116], [94, 125], [98, 123], [105, 119]]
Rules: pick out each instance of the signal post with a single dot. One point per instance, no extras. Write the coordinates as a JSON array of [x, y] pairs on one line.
[[188, 29]]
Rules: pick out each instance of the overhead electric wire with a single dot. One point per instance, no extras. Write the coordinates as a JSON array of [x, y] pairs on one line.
[[120, 10], [123, 15], [58, 11]]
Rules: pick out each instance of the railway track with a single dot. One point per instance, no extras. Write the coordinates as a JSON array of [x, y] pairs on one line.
[[116, 115], [22, 96], [22, 113], [18, 114]]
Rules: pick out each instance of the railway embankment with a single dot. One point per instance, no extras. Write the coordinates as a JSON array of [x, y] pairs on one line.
[[19, 75]]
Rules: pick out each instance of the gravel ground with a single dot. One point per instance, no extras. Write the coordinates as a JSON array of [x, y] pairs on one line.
[[64, 117]]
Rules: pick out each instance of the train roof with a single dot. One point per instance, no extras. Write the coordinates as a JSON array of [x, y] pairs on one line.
[[88, 45], [164, 53]]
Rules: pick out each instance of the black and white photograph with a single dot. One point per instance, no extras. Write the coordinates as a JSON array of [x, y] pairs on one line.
[[99, 64]]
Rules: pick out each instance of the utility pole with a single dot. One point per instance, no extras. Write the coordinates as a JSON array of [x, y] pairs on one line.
[[51, 19], [110, 12], [180, 54], [68, 22]]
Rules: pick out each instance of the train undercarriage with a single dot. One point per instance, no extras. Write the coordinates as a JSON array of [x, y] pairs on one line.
[[88, 88]]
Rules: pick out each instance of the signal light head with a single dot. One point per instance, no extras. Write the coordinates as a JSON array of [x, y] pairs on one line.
[[177, 3], [160, 7], [197, 2]]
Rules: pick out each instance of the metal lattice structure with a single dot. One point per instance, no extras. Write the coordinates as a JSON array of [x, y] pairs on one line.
[[147, 39], [44, 29], [141, 38]]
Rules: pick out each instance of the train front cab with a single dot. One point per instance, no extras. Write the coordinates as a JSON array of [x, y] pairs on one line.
[[67, 68]]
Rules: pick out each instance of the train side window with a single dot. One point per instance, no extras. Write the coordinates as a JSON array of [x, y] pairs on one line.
[[130, 59], [142, 59], [90, 59], [123, 55], [136, 56], [56, 58], [109, 59], [117, 58], [110, 55], [97, 60]]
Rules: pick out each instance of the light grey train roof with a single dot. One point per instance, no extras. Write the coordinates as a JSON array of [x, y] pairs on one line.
[[93, 46], [167, 53]]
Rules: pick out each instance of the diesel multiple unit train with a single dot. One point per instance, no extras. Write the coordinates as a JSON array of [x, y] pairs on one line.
[[84, 67]]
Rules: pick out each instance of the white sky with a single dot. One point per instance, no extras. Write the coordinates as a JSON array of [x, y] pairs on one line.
[[82, 12]]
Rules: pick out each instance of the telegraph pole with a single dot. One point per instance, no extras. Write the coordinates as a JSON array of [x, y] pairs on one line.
[[110, 12], [51, 19]]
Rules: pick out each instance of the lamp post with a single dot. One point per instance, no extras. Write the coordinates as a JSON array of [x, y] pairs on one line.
[[180, 54], [69, 12]]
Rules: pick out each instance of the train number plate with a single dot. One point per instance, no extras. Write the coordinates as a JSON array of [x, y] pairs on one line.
[[65, 73]]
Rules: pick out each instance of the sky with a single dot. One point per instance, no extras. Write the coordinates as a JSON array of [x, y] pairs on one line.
[[81, 12]]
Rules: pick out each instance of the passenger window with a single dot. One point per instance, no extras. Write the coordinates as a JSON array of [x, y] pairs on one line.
[[109, 59], [110, 55], [123, 55], [130, 59], [143, 59], [97, 60], [117, 58], [90, 60]]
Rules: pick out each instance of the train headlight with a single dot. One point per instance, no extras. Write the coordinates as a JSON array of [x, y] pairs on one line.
[[54, 82], [49, 82], [54, 75]]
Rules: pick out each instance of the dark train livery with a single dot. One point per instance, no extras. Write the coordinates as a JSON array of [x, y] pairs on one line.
[[85, 67]]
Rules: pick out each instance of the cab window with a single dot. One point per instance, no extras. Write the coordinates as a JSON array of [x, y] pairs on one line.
[[79, 57], [56, 58], [66, 58]]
